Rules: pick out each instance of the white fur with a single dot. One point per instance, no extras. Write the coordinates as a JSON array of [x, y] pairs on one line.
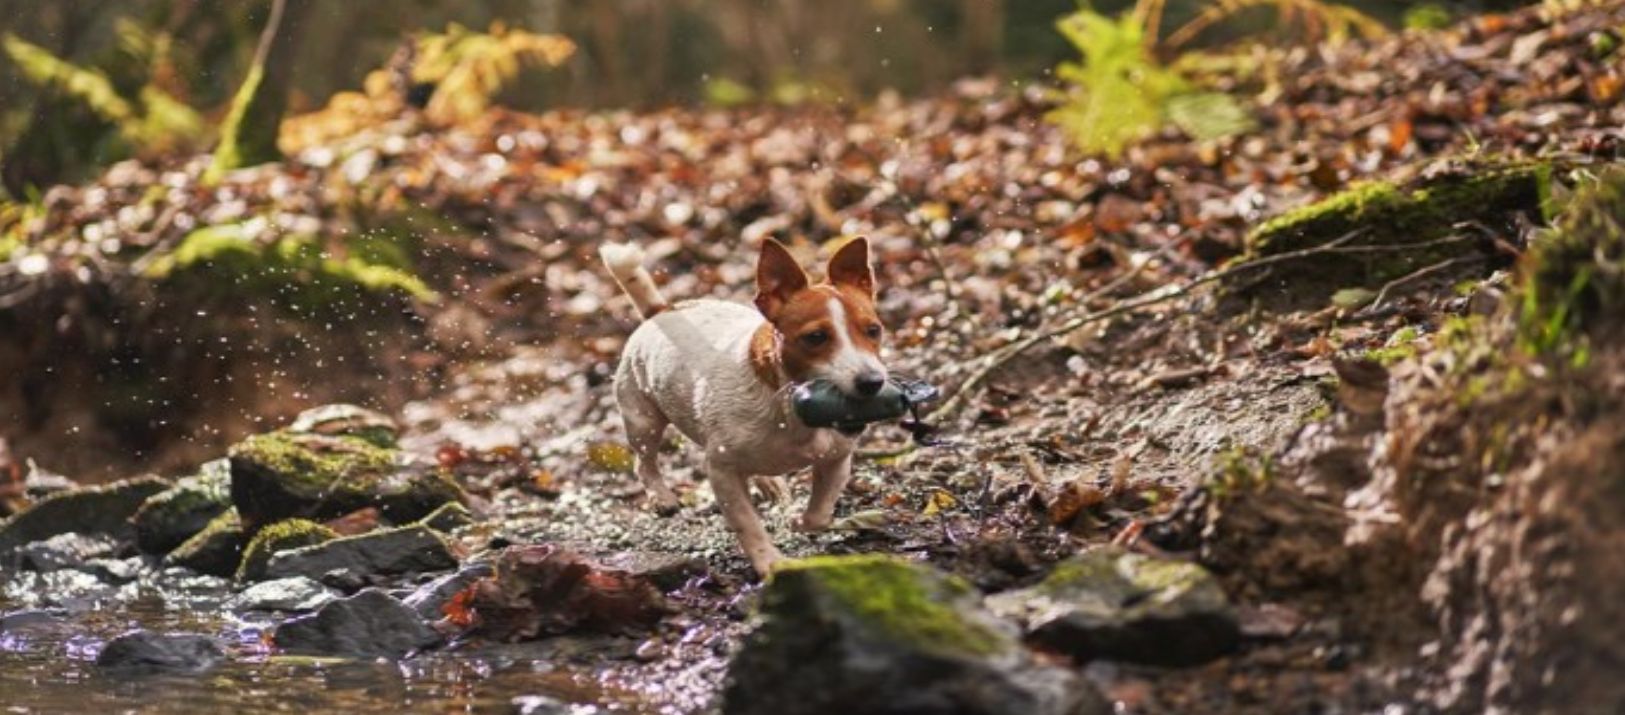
[[690, 367], [625, 264], [849, 362]]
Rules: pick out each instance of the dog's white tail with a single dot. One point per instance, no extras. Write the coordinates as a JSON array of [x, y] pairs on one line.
[[626, 264]]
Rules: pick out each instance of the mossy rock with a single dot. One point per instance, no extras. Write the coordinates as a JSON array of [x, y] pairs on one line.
[[283, 475], [89, 510], [168, 519], [276, 538], [1116, 605], [879, 634], [216, 550], [1486, 193]]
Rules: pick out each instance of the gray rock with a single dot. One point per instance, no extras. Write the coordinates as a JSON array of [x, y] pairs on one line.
[[294, 594], [1116, 605], [115, 571], [65, 551], [369, 624], [539, 705], [30, 620], [413, 549], [876, 634], [90, 510], [166, 520], [145, 652], [347, 420], [430, 598], [41, 482]]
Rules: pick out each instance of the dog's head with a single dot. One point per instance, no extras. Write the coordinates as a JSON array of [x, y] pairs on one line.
[[826, 330]]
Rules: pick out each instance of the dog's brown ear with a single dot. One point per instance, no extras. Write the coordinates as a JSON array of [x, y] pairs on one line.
[[778, 277], [850, 266]]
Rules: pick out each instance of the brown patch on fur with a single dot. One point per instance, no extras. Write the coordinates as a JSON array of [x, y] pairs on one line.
[[764, 356], [849, 267], [805, 314], [797, 311]]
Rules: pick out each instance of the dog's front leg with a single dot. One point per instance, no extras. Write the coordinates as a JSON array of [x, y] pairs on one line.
[[733, 497], [829, 480]]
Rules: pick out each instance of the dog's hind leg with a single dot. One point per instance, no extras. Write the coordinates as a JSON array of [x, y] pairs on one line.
[[646, 431]]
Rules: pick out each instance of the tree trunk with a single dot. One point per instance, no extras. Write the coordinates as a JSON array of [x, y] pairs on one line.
[[248, 137]]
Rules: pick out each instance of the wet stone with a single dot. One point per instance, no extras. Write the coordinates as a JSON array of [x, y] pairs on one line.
[[539, 705], [1115, 605], [37, 619], [115, 571], [148, 652], [290, 595], [429, 600], [347, 420], [90, 510], [413, 549], [877, 634], [65, 551], [369, 624]]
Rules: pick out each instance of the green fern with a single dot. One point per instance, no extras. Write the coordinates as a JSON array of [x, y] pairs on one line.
[[153, 122], [1119, 92]]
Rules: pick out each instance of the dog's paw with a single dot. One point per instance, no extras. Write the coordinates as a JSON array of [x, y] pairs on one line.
[[772, 490], [664, 503], [808, 524]]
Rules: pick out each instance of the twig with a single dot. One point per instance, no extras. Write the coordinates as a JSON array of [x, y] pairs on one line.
[[1422, 272], [999, 357]]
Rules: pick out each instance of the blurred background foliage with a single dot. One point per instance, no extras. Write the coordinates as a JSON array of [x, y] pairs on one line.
[[84, 83]]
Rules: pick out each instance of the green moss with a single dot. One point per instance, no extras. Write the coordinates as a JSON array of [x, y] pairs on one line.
[[295, 271], [283, 474], [1414, 214], [167, 520], [1241, 470], [1399, 347], [281, 536], [1487, 192], [315, 464], [1574, 274], [215, 550], [905, 602]]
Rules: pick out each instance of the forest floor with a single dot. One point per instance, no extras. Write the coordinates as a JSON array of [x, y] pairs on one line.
[[1147, 428]]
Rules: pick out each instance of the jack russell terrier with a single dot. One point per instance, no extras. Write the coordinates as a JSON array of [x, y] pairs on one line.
[[721, 373]]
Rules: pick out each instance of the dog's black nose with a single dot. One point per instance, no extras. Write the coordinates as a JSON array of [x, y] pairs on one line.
[[869, 384]]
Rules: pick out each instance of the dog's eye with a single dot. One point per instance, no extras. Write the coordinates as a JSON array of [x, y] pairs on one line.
[[873, 331], [815, 338]]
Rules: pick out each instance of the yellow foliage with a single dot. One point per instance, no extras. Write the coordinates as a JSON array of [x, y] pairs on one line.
[[469, 68]]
